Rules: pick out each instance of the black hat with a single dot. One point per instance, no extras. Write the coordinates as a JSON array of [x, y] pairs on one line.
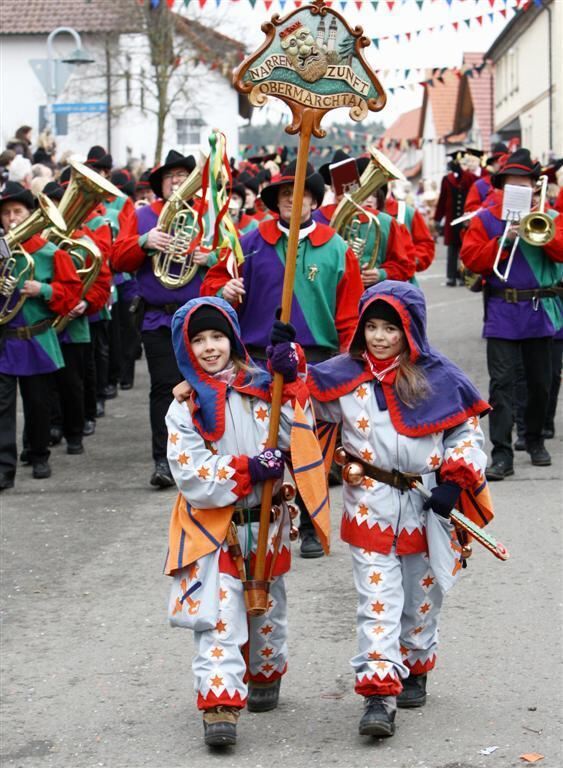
[[382, 310], [362, 163], [53, 190], [519, 163], [15, 193], [314, 183], [173, 160], [143, 181], [209, 318], [238, 189], [338, 157], [551, 170], [123, 181], [249, 181], [98, 159], [497, 150], [64, 178]]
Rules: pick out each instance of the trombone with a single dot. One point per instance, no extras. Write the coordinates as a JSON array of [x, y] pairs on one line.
[[535, 228]]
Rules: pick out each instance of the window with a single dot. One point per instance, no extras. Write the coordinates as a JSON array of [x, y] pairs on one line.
[[188, 130]]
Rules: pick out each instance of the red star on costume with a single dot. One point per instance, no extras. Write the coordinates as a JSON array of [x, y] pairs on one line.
[[378, 607], [374, 656], [216, 681], [474, 421], [425, 608], [363, 510], [366, 455], [183, 459], [427, 582], [267, 668], [221, 626], [261, 413], [378, 630], [434, 461], [266, 629], [266, 652], [375, 578], [367, 482], [223, 594], [361, 392], [203, 473], [217, 653], [173, 437], [222, 473], [362, 424], [417, 630]]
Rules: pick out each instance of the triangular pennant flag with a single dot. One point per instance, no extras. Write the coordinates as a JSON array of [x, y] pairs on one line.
[[390, 4], [407, 73], [408, 36], [418, 31], [343, 4], [375, 41], [375, 3], [491, 3], [391, 90], [455, 25], [502, 11], [491, 16], [419, 3], [479, 20], [359, 4], [253, 3], [468, 22], [396, 37]]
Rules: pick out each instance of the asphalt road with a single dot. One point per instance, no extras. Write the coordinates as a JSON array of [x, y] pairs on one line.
[[92, 675]]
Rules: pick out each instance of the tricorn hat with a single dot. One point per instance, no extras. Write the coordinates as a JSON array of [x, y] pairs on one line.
[[53, 190], [519, 163], [314, 183], [123, 181], [16, 193], [173, 160], [99, 159], [497, 151]]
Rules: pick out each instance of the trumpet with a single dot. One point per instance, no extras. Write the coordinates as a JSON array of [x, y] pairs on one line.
[[11, 275], [358, 240], [535, 228]]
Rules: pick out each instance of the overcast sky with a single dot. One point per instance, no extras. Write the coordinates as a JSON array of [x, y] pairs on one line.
[[427, 50]]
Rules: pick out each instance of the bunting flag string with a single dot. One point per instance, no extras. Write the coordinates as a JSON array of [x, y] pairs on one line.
[[385, 6]]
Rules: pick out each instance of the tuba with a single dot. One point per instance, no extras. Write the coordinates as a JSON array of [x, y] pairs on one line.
[[86, 189], [10, 277], [346, 220], [174, 267], [535, 228]]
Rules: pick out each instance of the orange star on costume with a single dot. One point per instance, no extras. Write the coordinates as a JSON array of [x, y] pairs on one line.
[[361, 392], [417, 630], [434, 461], [363, 509], [378, 630], [367, 482], [203, 473], [222, 474], [404, 650], [362, 424], [467, 444], [183, 459], [366, 455], [221, 626], [428, 581], [424, 608], [217, 653], [193, 571], [382, 665], [474, 421], [223, 594], [375, 578], [459, 450], [261, 413], [266, 652], [378, 607], [374, 656], [266, 629], [173, 437], [216, 681]]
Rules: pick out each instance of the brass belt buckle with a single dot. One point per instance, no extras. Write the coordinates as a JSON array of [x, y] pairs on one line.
[[24, 333], [511, 295]]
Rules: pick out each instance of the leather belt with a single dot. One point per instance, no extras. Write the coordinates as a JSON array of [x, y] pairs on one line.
[[514, 295], [168, 309], [26, 332], [252, 515], [402, 481]]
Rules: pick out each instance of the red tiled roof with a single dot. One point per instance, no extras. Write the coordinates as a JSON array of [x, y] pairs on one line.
[[480, 88], [406, 126], [443, 100]]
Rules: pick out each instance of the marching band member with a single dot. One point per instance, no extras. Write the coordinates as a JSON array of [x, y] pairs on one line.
[[30, 351], [216, 452], [481, 189], [242, 221], [327, 287], [138, 239], [522, 314], [405, 411]]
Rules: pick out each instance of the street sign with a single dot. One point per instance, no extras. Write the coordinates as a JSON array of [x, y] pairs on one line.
[[84, 106]]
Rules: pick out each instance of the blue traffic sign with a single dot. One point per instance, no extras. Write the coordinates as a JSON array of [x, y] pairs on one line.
[[85, 106]]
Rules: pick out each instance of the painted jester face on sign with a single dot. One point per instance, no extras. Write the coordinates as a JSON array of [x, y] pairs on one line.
[[308, 60]]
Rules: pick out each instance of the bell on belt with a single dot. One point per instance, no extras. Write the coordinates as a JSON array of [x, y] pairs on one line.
[[340, 457], [293, 511], [466, 551], [353, 473], [288, 492], [293, 533]]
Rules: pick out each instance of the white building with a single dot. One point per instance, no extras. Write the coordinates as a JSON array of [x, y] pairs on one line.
[[528, 59], [201, 95]]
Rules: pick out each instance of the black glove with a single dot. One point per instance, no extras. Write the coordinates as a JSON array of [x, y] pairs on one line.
[[281, 331], [443, 499]]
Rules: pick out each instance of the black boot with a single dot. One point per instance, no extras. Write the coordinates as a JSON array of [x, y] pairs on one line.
[[539, 455], [310, 545], [263, 697], [413, 693], [162, 477], [379, 716], [220, 726]]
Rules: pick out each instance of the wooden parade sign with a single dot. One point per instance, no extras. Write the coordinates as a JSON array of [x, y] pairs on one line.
[[313, 61], [312, 58]]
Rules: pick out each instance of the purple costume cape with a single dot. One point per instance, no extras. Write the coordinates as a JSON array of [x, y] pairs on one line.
[[150, 289], [452, 399]]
